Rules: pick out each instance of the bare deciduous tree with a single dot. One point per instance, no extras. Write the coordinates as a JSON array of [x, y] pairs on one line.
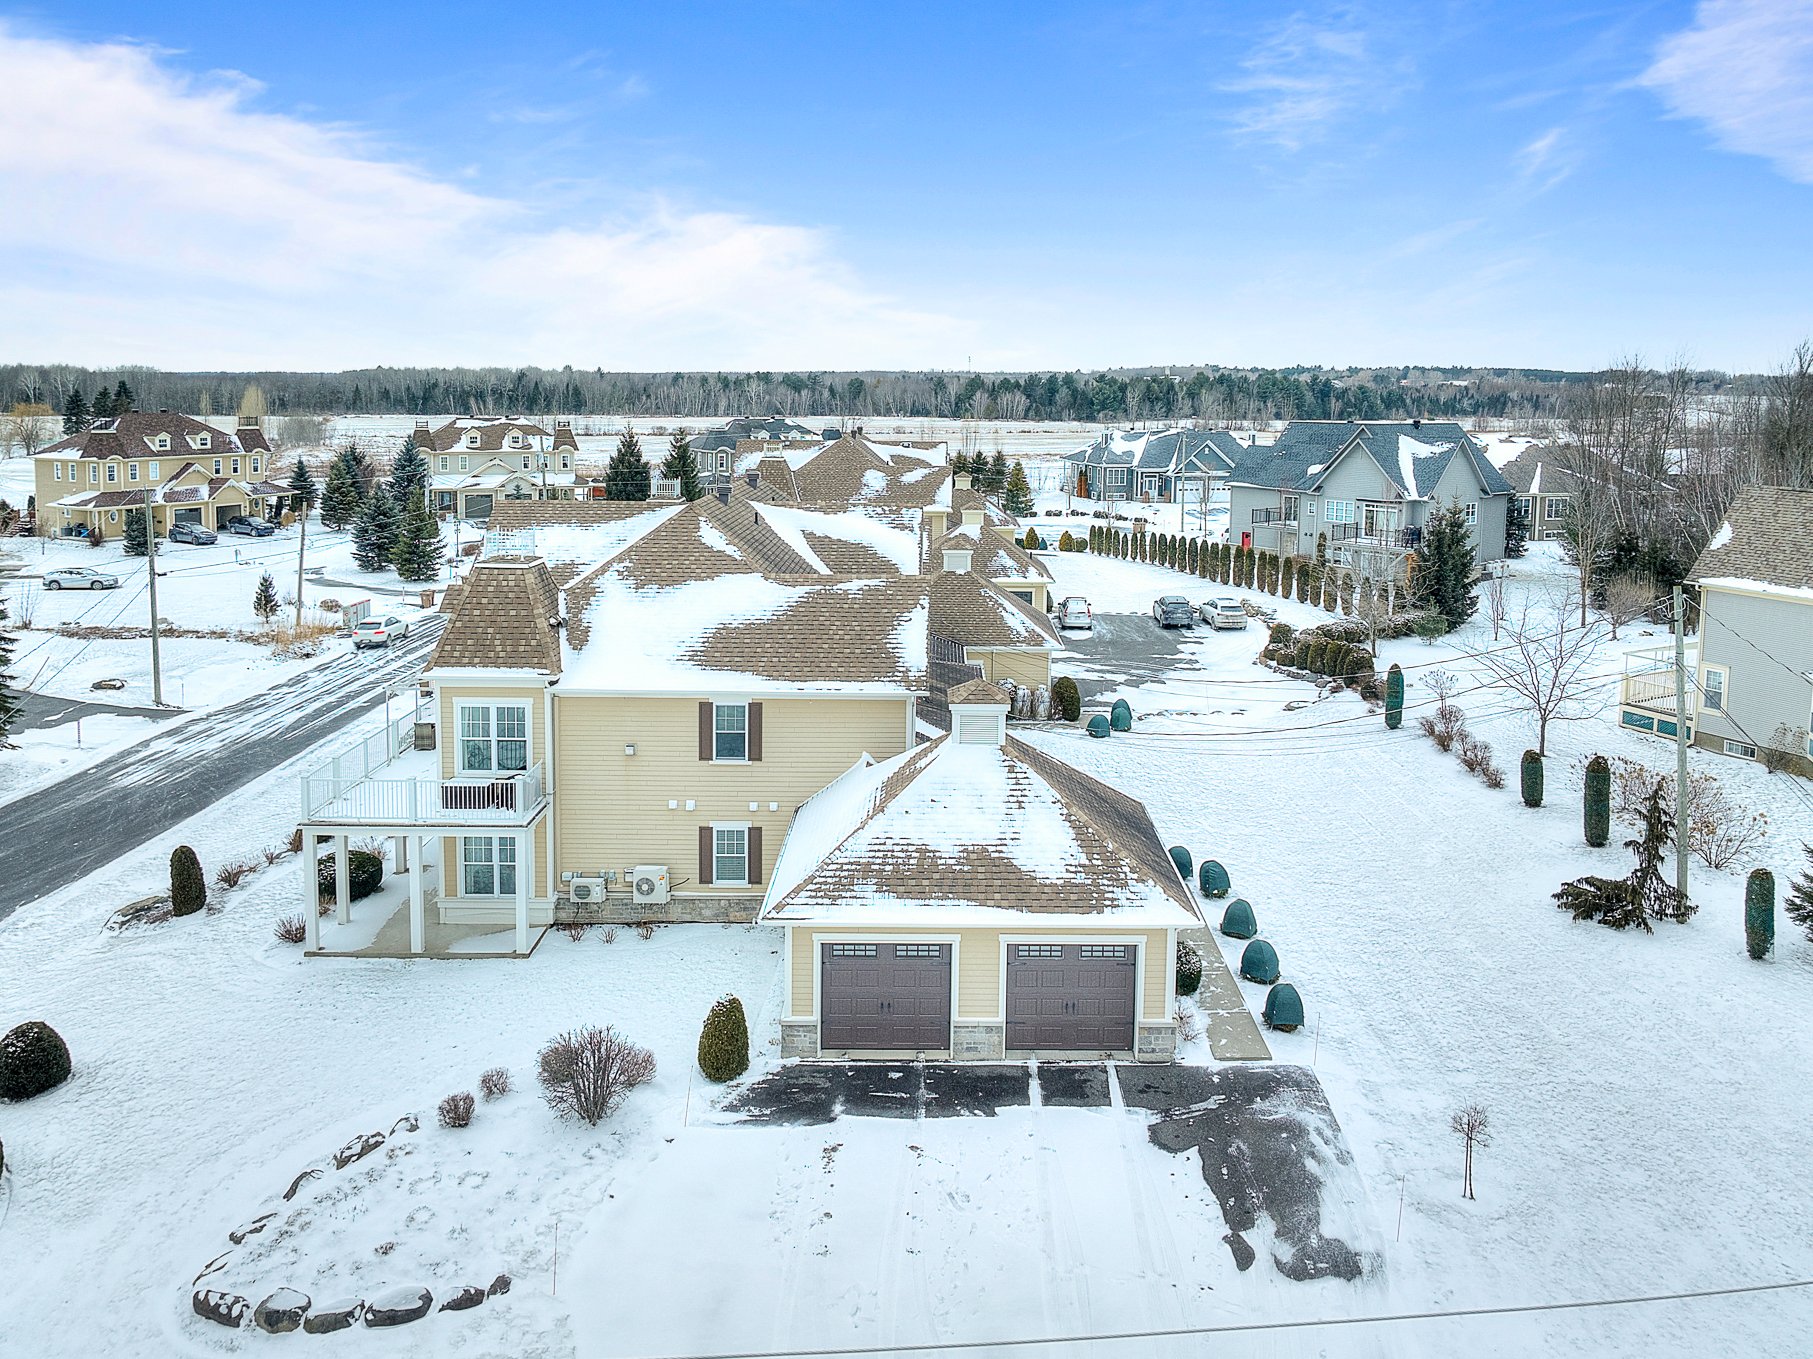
[[1626, 598], [1547, 661], [1471, 1125]]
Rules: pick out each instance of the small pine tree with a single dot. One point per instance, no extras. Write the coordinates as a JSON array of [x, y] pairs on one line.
[[1517, 528], [1646, 894], [375, 530], [418, 550], [303, 491], [997, 473], [1287, 578], [1759, 913], [626, 477], [724, 1041], [682, 466], [345, 490], [188, 889], [1798, 904], [137, 540], [102, 409], [1443, 581], [1530, 779], [1016, 491], [1067, 701], [123, 398], [9, 696], [1190, 557], [75, 413], [264, 599], [1597, 799], [408, 474], [1030, 539]]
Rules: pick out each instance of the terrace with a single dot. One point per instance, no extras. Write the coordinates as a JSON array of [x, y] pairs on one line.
[[1646, 691]]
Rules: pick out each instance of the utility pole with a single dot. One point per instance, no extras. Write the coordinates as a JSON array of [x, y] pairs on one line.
[[301, 547], [1680, 602], [157, 671]]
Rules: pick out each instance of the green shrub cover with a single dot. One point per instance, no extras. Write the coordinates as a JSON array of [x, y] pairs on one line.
[[1121, 718], [1759, 913], [724, 1041], [1394, 697], [1259, 963], [1283, 1008], [33, 1059], [1238, 922], [1530, 777], [1212, 878], [1098, 725], [1598, 811], [1186, 866]]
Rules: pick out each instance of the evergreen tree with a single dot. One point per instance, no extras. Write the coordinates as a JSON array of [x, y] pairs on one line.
[[375, 530], [9, 697], [123, 398], [345, 491], [1016, 491], [264, 599], [103, 405], [626, 476], [137, 540], [960, 464], [1445, 566], [1517, 528], [418, 551], [1646, 894], [75, 413], [997, 473], [680, 465], [408, 474], [303, 491], [1798, 904]]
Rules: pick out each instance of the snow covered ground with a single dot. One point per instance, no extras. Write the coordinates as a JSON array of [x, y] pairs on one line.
[[1647, 1093]]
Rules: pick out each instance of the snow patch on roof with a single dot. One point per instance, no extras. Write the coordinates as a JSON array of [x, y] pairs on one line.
[[788, 531], [713, 537], [912, 638], [1721, 538], [897, 545]]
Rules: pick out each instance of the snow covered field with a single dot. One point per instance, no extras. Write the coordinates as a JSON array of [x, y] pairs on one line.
[[1647, 1092]]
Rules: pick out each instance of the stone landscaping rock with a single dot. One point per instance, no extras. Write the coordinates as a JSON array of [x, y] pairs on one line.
[[297, 1183], [252, 1228], [335, 1316], [1243, 1253], [501, 1284], [407, 1123], [398, 1306], [282, 1312], [214, 1266], [228, 1309], [464, 1299], [358, 1149]]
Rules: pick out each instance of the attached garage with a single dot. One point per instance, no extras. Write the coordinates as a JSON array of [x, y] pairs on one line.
[[885, 996], [1071, 997], [187, 514], [477, 506]]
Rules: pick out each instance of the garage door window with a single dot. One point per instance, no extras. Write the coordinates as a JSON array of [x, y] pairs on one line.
[[1038, 950], [1104, 950], [917, 950], [853, 950]]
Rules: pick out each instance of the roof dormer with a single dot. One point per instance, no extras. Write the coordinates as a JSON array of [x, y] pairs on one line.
[[978, 714], [958, 558], [473, 438], [160, 442]]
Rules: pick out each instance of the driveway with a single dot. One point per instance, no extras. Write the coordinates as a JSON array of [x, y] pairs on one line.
[[57, 834], [1129, 650], [42, 711]]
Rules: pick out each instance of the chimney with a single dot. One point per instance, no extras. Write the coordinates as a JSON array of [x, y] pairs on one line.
[[752, 478], [563, 423], [723, 493], [958, 558]]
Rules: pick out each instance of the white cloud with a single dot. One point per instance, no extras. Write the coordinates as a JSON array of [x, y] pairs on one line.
[[1306, 75], [171, 222], [1546, 160], [1745, 69]]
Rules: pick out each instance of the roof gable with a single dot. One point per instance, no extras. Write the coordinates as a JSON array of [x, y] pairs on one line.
[[1765, 543]]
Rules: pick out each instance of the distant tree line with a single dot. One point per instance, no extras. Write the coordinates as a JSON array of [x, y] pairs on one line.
[[1235, 396]]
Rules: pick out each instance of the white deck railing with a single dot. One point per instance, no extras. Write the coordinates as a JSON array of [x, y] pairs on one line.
[[373, 784], [1649, 681]]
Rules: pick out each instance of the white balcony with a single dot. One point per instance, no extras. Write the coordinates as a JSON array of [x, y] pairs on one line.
[[386, 782], [1646, 691]]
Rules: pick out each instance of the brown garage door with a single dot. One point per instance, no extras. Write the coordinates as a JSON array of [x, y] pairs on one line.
[[1071, 997], [885, 997]]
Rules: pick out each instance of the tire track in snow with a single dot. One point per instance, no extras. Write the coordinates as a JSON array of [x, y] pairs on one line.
[[59, 834]]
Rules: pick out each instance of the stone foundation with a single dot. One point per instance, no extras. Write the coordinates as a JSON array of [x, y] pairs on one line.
[[799, 1038], [622, 910], [1157, 1042], [978, 1042]]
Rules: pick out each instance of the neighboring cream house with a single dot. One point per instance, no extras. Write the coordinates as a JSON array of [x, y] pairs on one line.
[[978, 898], [475, 463], [194, 473]]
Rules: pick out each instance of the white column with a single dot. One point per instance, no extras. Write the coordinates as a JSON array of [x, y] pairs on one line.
[[523, 869], [400, 848], [418, 920], [311, 893], [343, 888]]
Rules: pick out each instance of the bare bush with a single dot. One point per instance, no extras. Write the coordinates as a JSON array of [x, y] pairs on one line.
[[456, 1110], [495, 1083], [296, 841], [589, 1072], [610, 934], [376, 845], [1720, 830], [291, 929], [232, 874], [573, 930], [1783, 752], [271, 854], [645, 929]]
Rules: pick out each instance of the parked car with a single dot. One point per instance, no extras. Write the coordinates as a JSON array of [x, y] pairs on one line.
[[1224, 613], [380, 631], [1074, 612], [1173, 611], [79, 578], [248, 527], [193, 533]]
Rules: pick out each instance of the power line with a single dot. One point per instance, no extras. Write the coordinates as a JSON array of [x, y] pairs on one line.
[[1249, 1327]]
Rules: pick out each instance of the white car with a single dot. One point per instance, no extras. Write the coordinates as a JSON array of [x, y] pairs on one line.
[[79, 578], [1224, 613], [380, 631], [1074, 612]]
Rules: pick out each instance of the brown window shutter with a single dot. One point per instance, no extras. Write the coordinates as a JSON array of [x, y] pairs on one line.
[[705, 855], [755, 731], [755, 854], [705, 748]]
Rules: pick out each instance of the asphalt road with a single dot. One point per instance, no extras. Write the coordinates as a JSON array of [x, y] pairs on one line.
[[37, 711], [55, 835]]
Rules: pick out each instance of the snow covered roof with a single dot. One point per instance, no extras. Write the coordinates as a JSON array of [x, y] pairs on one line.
[[991, 554], [974, 834], [1765, 544], [134, 435], [493, 434], [966, 608], [848, 471], [1172, 451], [1413, 455], [1534, 472]]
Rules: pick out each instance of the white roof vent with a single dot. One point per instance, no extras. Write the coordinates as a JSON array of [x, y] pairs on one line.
[[958, 558]]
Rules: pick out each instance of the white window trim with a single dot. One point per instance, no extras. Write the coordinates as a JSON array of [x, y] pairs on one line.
[[1554, 507], [1472, 512], [910, 937], [729, 759], [461, 706], [153, 470], [1723, 686], [235, 467], [56, 469], [217, 467], [444, 462], [113, 472], [94, 473], [464, 463], [496, 864], [717, 879], [1741, 750]]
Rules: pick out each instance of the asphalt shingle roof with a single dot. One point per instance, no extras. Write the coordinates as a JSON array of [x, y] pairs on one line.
[[502, 619], [1767, 537], [1307, 449]]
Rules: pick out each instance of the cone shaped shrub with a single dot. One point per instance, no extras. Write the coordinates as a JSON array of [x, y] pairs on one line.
[[1066, 701], [1394, 697], [33, 1059], [1598, 812], [1259, 962], [1530, 777], [188, 888], [724, 1041], [1759, 913]]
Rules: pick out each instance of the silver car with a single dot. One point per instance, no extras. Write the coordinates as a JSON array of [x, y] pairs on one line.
[[79, 578], [1074, 612], [1224, 613]]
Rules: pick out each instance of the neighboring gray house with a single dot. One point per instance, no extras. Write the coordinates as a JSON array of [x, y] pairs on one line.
[[1545, 489], [1756, 627], [1369, 487], [1187, 465], [716, 449]]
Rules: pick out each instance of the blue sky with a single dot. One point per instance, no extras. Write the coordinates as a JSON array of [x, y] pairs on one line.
[[941, 185]]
